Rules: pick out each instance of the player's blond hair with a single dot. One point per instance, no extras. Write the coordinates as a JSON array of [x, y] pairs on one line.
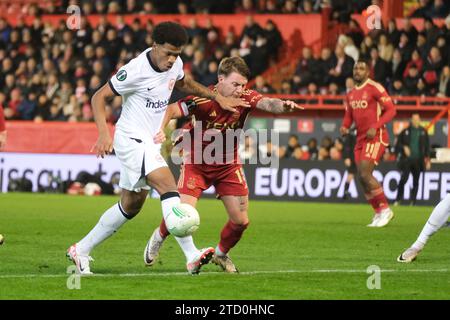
[[233, 64]]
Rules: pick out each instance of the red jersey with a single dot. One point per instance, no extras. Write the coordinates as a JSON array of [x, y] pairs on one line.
[[216, 121], [369, 106], [2, 120]]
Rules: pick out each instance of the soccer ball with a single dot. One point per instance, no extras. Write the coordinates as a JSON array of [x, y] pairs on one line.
[[183, 220]]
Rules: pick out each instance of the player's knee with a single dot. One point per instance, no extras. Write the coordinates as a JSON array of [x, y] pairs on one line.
[[164, 185], [364, 176], [132, 206], [241, 224]]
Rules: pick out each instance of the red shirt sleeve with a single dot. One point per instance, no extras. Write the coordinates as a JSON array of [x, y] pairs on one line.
[[387, 105], [184, 108], [2, 120], [252, 97], [348, 117]]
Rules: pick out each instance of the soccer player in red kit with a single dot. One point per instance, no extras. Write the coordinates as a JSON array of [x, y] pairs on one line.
[[227, 177], [370, 107], [2, 129]]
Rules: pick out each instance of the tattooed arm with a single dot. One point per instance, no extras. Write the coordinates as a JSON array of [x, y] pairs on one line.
[[192, 87], [275, 105]]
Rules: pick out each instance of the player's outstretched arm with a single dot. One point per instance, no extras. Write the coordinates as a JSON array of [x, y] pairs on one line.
[[104, 144], [275, 105], [190, 86]]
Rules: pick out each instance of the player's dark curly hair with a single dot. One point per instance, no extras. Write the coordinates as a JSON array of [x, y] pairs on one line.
[[171, 33]]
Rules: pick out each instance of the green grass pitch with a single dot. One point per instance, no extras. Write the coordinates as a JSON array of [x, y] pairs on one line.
[[290, 251]]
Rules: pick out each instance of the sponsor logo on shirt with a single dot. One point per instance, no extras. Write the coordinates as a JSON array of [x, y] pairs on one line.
[[157, 104], [358, 104]]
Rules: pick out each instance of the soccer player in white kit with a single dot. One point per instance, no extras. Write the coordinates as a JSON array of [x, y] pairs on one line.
[[437, 219], [145, 84]]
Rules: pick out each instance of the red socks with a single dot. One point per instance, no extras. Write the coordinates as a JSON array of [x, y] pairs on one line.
[[377, 200], [230, 235], [163, 232]]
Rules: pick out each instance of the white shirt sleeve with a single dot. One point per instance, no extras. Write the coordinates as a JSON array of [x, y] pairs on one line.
[[126, 80], [181, 71]]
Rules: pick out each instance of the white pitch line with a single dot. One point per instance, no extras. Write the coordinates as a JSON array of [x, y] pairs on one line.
[[206, 273]]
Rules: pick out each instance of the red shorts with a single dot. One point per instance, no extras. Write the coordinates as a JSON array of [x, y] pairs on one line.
[[369, 150], [228, 180]]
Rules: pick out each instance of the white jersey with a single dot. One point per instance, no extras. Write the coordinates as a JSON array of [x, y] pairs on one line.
[[145, 92]]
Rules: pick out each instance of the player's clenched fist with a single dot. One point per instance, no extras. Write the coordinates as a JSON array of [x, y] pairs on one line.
[[371, 133], [159, 137], [103, 146]]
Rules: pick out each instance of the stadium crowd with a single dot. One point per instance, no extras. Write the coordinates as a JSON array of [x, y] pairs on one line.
[[50, 72], [407, 62]]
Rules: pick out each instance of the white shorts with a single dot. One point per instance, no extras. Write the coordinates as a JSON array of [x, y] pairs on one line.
[[137, 159]]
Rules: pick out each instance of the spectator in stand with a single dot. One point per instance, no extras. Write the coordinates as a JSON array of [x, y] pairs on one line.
[[444, 83], [442, 45], [439, 9], [262, 87], [325, 146], [385, 48], [325, 63], [342, 67], [366, 46], [247, 150], [397, 66], [355, 32], [431, 31], [286, 87], [422, 45], [410, 30], [379, 69], [422, 11], [393, 33], [432, 68], [397, 88], [405, 46], [416, 61], [289, 7], [3, 132], [312, 149], [251, 29], [288, 151], [410, 81], [307, 68], [349, 47], [246, 7], [274, 39], [271, 7]]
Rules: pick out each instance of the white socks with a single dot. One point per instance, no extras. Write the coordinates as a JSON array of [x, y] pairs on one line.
[[109, 222], [168, 201], [437, 219], [188, 247]]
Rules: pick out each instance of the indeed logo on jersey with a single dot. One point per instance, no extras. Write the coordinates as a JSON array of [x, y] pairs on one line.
[[358, 104], [157, 104]]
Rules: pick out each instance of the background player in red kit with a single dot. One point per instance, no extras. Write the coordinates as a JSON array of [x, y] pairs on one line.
[[2, 129], [227, 178], [370, 107]]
